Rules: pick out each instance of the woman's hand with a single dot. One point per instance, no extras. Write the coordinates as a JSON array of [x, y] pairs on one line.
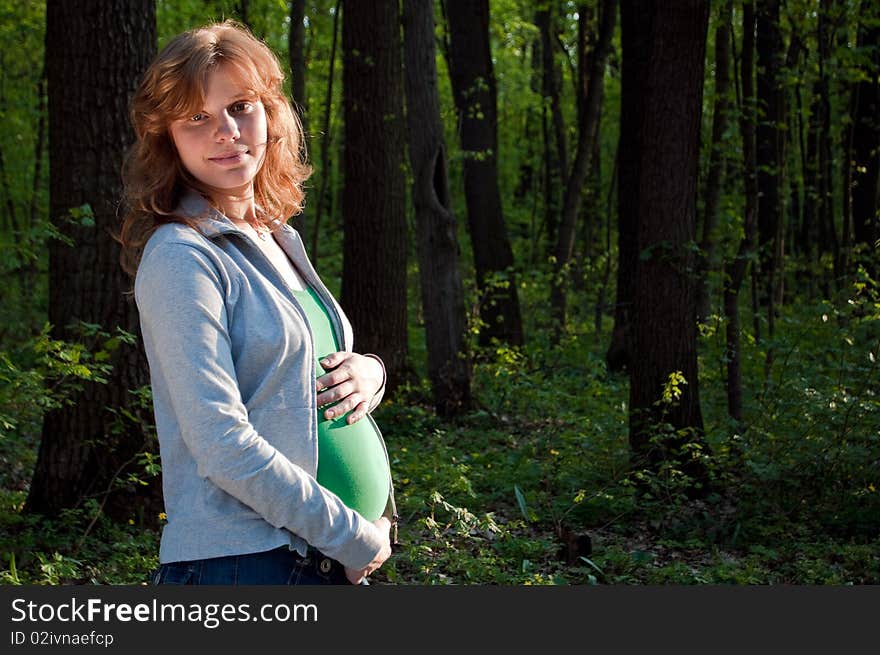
[[355, 576], [352, 380]]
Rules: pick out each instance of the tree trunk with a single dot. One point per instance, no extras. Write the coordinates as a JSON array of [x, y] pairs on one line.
[[770, 151], [555, 148], [473, 85], [706, 261], [242, 10], [865, 142], [296, 43], [636, 27], [84, 444], [735, 272], [587, 131], [664, 295], [326, 142], [827, 230], [449, 368], [375, 243]]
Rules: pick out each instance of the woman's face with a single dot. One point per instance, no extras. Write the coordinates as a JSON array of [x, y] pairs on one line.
[[224, 143]]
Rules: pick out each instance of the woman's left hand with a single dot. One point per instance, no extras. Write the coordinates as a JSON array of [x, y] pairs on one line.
[[352, 380]]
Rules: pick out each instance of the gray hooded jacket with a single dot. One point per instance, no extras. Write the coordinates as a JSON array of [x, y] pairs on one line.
[[233, 378]]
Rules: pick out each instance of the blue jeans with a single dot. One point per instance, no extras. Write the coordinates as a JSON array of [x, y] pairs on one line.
[[280, 566]]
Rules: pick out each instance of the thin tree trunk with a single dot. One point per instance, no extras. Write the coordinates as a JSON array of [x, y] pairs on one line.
[[473, 84], [865, 142], [706, 261], [770, 139], [84, 443], [606, 276], [825, 204], [587, 131], [734, 274], [748, 121], [296, 41], [557, 157], [242, 10], [326, 139]]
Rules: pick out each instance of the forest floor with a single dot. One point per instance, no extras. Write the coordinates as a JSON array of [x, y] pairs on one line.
[[535, 486]]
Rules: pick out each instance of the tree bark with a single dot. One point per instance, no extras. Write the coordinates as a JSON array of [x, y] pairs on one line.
[[88, 92], [556, 150], [864, 140], [296, 42], [373, 199], [449, 368], [770, 150], [326, 141], [714, 180], [828, 239], [664, 294], [636, 26], [473, 84], [735, 271], [587, 131]]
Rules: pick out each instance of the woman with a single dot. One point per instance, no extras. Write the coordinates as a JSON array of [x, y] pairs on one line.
[[244, 341]]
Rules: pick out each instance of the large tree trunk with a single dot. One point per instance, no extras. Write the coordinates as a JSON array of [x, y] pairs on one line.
[[85, 445], [706, 262], [473, 85], [664, 295], [449, 368], [587, 132], [373, 199]]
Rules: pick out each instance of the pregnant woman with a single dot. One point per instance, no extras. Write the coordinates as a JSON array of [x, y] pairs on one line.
[[273, 470]]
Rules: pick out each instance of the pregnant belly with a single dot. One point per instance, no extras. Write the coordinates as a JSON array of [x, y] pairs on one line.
[[352, 464]]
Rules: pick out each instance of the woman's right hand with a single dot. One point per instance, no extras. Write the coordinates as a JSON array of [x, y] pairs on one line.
[[355, 576]]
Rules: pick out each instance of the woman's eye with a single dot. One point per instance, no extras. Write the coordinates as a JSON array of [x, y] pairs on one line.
[[195, 118], [241, 106]]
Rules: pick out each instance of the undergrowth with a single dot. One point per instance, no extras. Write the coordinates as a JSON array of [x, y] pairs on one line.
[[535, 486]]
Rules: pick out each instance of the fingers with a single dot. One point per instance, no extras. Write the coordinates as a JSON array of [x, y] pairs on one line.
[[338, 370], [336, 392], [353, 402], [347, 383], [334, 359], [359, 412], [354, 575]]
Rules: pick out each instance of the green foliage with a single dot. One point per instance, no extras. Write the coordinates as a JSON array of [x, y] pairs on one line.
[[81, 546]]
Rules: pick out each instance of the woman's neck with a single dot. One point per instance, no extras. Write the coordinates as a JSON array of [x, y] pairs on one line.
[[237, 205]]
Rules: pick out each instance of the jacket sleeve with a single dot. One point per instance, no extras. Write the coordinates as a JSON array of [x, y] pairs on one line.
[[181, 296]]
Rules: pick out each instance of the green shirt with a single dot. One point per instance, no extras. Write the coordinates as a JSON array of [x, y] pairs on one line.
[[351, 458]]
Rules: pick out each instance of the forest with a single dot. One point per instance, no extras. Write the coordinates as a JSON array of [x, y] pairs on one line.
[[620, 260]]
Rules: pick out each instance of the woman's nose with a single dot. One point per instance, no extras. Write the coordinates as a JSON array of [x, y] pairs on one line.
[[227, 129]]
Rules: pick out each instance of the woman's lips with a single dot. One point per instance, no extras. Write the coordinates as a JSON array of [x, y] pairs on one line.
[[228, 159]]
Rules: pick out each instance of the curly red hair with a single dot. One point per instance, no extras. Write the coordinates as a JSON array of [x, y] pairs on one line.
[[173, 87]]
